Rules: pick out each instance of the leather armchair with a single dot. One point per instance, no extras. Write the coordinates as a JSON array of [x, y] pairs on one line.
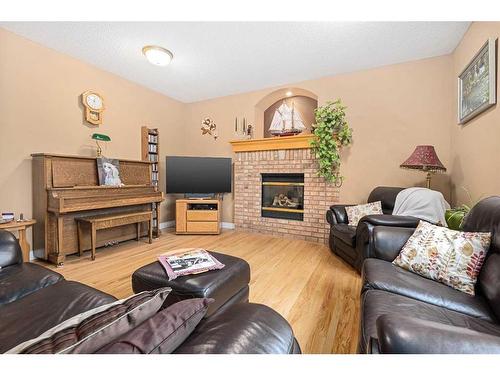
[[10, 251], [402, 312], [354, 244]]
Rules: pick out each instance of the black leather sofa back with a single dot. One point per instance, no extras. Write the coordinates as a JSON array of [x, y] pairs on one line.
[[12, 251], [387, 195], [485, 217]]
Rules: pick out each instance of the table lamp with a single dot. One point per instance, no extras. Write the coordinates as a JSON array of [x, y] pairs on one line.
[[100, 137], [424, 158]]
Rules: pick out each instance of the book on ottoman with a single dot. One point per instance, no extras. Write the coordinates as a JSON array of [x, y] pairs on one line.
[[187, 262]]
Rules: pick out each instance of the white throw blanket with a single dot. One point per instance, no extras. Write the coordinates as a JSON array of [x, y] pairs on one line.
[[426, 204]]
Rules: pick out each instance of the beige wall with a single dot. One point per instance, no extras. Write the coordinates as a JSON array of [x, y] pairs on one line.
[[475, 154], [391, 109], [40, 111]]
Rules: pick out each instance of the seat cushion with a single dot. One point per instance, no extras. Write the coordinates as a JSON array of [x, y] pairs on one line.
[[244, 328], [382, 275], [22, 279], [28, 317], [375, 303], [221, 285], [345, 233]]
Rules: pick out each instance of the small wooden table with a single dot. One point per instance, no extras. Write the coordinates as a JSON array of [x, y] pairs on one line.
[[21, 227], [94, 223]]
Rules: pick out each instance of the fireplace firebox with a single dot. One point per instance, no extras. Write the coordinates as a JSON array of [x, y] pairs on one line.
[[283, 195]]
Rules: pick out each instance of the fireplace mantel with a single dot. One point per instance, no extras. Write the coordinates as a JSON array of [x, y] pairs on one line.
[[275, 143]]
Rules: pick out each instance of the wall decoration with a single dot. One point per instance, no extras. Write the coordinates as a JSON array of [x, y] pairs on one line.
[[477, 83], [332, 133], [109, 172], [209, 127], [94, 107], [100, 137]]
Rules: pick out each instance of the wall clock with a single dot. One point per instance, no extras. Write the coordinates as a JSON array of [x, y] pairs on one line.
[[94, 107]]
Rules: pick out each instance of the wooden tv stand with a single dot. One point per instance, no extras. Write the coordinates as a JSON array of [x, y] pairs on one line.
[[197, 216]]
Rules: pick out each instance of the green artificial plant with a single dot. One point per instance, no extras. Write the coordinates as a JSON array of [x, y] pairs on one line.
[[332, 133], [455, 216]]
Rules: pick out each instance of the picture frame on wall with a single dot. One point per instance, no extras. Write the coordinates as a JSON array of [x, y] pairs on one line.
[[477, 83]]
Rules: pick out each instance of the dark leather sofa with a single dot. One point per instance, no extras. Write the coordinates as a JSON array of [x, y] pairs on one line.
[[353, 243], [34, 299], [402, 312]]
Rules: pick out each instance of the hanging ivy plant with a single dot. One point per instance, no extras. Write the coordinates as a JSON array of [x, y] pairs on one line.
[[332, 133]]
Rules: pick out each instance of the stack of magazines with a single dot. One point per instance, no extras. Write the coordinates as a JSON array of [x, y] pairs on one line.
[[187, 262]]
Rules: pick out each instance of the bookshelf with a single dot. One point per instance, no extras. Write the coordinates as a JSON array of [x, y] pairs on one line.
[[150, 141]]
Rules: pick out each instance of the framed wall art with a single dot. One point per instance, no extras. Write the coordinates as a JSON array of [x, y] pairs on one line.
[[477, 83]]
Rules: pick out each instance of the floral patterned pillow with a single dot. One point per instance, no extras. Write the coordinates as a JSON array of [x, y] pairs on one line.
[[355, 213], [448, 256]]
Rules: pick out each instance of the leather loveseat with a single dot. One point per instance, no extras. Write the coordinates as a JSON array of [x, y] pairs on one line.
[[34, 299], [353, 243], [402, 312]]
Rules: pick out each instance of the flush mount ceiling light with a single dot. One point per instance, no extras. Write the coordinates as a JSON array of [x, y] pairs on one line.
[[289, 93], [157, 55]]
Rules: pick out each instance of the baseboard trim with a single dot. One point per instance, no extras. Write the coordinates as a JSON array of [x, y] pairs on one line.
[[171, 224], [167, 224], [226, 225]]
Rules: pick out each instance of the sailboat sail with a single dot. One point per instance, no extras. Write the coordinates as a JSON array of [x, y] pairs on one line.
[[286, 121]]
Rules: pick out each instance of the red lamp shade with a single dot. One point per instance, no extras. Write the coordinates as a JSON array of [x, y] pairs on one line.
[[424, 158]]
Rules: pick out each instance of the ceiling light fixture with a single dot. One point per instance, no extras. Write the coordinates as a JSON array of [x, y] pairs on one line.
[[289, 93], [157, 55]]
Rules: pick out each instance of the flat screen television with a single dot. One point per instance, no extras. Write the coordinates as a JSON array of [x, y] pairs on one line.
[[198, 175]]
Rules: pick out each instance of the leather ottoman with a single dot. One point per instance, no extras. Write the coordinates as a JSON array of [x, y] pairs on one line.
[[226, 286]]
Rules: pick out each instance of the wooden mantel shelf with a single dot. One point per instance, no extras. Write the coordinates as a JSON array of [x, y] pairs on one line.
[[275, 143]]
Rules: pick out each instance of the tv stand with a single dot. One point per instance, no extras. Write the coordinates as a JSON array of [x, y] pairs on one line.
[[197, 216]]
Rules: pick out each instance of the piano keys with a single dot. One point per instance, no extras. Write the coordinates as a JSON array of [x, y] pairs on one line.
[[66, 187]]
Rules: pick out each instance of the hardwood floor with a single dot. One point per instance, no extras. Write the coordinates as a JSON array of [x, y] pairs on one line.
[[313, 289]]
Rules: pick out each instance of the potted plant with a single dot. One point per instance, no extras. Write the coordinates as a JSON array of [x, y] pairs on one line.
[[455, 216], [332, 133]]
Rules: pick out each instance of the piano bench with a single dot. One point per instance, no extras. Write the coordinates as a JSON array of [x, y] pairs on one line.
[[94, 223]]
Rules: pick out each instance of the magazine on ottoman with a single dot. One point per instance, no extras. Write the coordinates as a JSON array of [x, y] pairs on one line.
[[187, 262]]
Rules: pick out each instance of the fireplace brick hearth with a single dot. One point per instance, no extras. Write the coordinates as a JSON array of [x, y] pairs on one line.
[[318, 194]]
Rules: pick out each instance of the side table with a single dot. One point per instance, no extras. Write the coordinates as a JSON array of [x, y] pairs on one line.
[[21, 227]]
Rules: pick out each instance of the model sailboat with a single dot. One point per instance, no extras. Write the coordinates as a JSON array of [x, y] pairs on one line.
[[286, 121]]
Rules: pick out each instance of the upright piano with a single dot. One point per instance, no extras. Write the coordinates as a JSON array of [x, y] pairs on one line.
[[67, 187]]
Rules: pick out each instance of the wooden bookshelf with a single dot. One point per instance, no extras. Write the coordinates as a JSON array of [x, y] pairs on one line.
[[150, 146]]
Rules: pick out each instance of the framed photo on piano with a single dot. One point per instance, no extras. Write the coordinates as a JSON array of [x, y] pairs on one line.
[[108, 171]]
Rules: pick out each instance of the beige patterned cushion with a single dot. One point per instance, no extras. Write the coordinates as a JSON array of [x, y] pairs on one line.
[[448, 256], [355, 213]]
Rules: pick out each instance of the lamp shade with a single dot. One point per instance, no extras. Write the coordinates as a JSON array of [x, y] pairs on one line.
[[424, 158]]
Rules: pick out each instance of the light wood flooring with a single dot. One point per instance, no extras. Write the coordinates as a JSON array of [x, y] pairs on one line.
[[313, 289]]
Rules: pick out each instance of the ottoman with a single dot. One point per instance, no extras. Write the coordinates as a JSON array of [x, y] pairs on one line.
[[226, 286]]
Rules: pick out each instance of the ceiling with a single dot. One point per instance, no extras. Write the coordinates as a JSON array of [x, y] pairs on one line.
[[213, 59]]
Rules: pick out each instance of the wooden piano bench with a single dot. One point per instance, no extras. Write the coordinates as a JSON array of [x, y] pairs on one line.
[[94, 223]]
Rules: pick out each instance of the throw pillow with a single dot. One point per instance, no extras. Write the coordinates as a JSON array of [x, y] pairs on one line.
[[355, 213], [448, 256], [164, 332], [93, 329]]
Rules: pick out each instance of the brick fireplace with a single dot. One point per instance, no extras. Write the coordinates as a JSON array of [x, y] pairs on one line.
[[285, 158]]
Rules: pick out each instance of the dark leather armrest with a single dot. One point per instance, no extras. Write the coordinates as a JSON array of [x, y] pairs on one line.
[[405, 335], [391, 220], [10, 251], [387, 242], [337, 214]]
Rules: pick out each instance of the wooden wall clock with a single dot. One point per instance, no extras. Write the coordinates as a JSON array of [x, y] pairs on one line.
[[94, 107]]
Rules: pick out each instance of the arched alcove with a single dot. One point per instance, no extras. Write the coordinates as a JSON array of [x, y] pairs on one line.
[[304, 100]]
